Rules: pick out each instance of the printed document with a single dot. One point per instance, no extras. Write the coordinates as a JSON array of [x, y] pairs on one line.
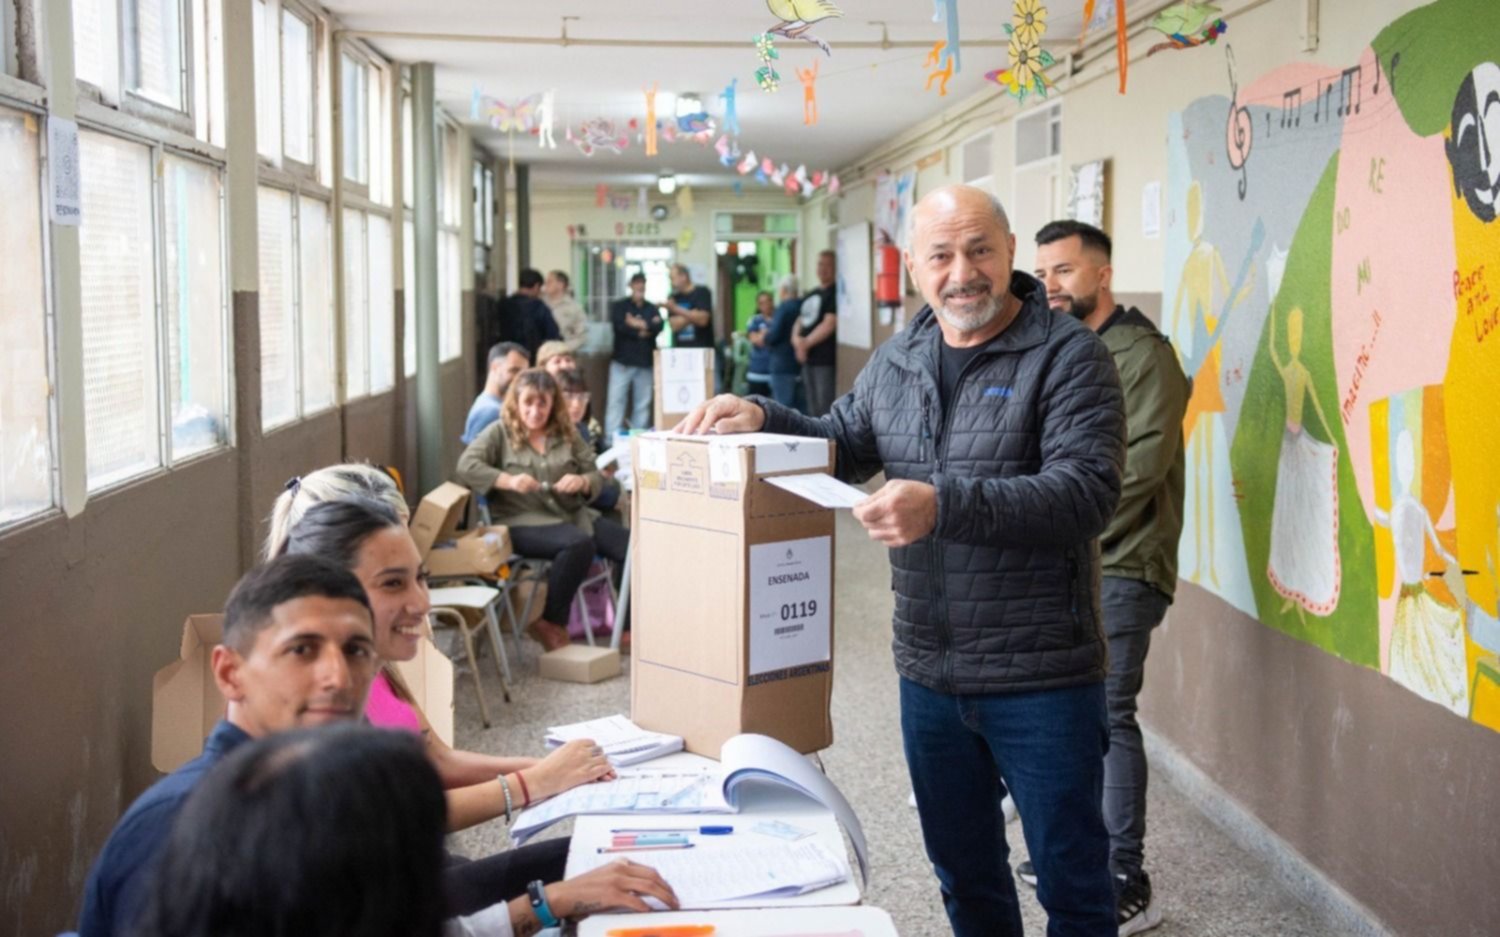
[[734, 869], [821, 489], [624, 742]]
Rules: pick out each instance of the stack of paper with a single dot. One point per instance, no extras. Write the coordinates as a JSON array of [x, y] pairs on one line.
[[636, 790], [704, 878], [624, 742]]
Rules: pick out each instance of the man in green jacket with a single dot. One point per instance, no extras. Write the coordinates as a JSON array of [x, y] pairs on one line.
[[1139, 548]]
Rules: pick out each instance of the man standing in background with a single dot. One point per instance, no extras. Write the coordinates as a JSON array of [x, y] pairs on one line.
[[1139, 547], [571, 320], [690, 310], [636, 324], [524, 318], [813, 338]]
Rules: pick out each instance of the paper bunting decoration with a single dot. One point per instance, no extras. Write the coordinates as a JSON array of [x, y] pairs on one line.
[[650, 119], [597, 134], [728, 150], [685, 200], [944, 73], [947, 12], [748, 164], [798, 16], [766, 76], [1027, 57], [834, 186], [731, 110], [601, 195], [809, 79], [544, 120], [695, 124], [1187, 25]]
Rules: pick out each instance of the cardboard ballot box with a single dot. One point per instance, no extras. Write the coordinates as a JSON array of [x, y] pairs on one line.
[[478, 552], [682, 379], [731, 591], [185, 701]]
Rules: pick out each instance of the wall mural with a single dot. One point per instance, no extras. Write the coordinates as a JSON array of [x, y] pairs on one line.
[[1333, 287]]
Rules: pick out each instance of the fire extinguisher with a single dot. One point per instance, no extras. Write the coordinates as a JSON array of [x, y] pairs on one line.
[[888, 275]]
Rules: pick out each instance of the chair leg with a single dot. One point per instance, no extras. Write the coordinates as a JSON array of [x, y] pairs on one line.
[[515, 625], [581, 605], [502, 663], [484, 709]]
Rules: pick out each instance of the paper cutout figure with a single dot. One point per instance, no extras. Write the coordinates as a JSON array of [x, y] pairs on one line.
[[1304, 562], [948, 13], [728, 150], [805, 186], [684, 240], [1186, 25], [731, 110], [766, 76], [1027, 57], [601, 195], [476, 103], [1088, 19], [685, 200], [739, 189], [650, 119], [698, 123], [945, 73], [798, 16], [809, 79], [748, 164], [544, 120], [1427, 642], [600, 133], [1122, 42], [834, 186], [1028, 21]]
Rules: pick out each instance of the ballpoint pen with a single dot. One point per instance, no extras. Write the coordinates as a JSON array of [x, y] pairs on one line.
[[644, 848], [704, 830]]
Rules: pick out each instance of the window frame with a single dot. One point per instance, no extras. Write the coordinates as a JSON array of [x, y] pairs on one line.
[[275, 13], [10, 64], [131, 98], [365, 208], [451, 177], [372, 93]]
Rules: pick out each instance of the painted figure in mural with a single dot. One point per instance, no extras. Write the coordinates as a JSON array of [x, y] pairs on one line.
[[1476, 134], [1484, 625], [1201, 273], [1304, 562], [798, 16], [1427, 644]]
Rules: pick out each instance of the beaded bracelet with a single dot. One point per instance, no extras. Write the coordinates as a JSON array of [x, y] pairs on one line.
[[505, 787]]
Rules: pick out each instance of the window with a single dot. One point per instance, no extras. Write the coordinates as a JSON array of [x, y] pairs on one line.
[[451, 178], [356, 306], [382, 300], [297, 88], [409, 297], [296, 307], [1039, 135], [978, 167], [285, 84], [267, 88], [355, 89], [484, 217], [156, 51], [25, 425], [94, 49], [7, 37], [195, 305]]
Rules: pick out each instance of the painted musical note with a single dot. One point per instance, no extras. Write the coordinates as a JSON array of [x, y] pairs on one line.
[[1290, 101], [1349, 80], [1240, 132]]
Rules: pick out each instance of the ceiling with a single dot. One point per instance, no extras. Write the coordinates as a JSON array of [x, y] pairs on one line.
[[865, 95]]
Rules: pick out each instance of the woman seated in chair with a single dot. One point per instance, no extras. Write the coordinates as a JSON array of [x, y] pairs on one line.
[[539, 475]]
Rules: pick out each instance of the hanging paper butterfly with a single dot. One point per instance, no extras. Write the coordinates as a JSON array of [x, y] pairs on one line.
[[520, 117]]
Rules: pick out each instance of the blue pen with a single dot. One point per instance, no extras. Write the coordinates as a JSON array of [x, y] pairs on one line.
[[703, 830]]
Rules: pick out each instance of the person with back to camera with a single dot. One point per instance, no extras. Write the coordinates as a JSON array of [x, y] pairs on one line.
[[539, 476], [758, 370], [786, 370], [1000, 428]]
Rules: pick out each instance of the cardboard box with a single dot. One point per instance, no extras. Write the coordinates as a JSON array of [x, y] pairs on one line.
[[681, 379], [731, 591], [448, 553], [186, 705], [580, 663]]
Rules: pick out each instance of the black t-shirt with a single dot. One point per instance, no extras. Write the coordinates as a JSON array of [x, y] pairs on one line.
[[951, 363], [817, 305], [691, 336]]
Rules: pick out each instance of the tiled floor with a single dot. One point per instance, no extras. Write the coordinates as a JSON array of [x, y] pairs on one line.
[[1205, 884]]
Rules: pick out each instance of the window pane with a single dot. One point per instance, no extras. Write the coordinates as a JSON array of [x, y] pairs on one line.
[[408, 151], [194, 306], [356, 312], [90, 42], [382, 307], [450, 333], [296, 88], [355, 116], [278, 284], [119, 300], [316, 308], [267, 92], [409, 298], [157, 28], [25, 443]]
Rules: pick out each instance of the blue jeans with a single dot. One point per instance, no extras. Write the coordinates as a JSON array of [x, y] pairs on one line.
[[1047, 747], [1131, 610], [635, 383], [786, 389]]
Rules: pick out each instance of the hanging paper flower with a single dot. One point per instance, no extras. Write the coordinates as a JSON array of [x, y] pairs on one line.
[[765, 47], [768, 78], [1024, 64], [1029, 21], [1025, 74]]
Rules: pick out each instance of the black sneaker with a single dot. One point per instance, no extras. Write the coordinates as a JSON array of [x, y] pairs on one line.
[[1026, 872], [1133, 908]]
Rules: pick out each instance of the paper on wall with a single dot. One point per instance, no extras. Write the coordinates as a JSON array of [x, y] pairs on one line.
[[65, 203], [790, 593]]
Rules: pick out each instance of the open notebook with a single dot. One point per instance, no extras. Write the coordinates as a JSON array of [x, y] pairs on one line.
[[744, 759], [735, 869]]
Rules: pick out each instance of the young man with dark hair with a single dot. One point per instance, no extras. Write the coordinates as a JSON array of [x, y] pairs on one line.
[[524, 318], [1139, 547], [571, 320], [298, 651], [636, 324], [506, 360]]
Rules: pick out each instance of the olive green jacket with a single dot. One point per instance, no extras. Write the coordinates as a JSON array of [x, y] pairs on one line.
[[491, 453], [1141, 540]]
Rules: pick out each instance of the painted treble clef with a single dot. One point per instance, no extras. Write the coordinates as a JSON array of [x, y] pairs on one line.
[[1239, 132]]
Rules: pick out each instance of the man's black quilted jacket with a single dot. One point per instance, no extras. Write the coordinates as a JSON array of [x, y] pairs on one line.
[[1003, 596]]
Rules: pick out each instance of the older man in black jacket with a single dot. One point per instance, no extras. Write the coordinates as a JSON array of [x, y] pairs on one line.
[[1000, 429]]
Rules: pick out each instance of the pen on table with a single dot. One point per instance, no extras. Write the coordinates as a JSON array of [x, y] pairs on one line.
[[704, 830], [644, 848]]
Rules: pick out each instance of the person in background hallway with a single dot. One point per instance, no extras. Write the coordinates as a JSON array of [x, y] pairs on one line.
[[555, 358], [1139, 546], [636, 324], [813, 338], [348, 819], [506, 360], [572, 321], [1000, 428], [524, 318], [690, 311], [580, 410], [786, 370], [758, 374], [539, 476], [330, 483]]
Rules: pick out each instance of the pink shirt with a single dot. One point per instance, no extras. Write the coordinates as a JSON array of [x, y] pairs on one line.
[[387, 710]]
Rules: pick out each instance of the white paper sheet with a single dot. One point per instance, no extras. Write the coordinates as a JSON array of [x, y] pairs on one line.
[[791, 587], [736, 867], [821, 489], [636, 790], [623, 742]]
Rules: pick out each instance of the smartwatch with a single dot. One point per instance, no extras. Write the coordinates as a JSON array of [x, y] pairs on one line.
[[537, 892]]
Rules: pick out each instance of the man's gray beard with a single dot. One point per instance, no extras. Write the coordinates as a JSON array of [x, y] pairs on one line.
[[974, 321]]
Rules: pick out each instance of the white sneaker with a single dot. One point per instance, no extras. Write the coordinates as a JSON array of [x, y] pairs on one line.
[[912, 800], [1008, 805]]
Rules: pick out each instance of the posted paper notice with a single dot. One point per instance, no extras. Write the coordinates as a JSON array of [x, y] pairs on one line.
[[821, 489], [791, 589]]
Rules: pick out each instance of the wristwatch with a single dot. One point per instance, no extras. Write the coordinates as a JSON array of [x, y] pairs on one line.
[[536, 890]]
